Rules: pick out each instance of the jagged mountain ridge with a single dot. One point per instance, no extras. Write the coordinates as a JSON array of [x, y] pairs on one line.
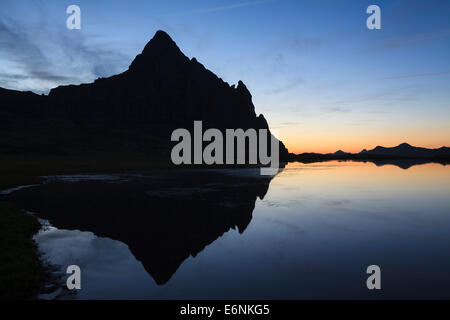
[[134, 111]]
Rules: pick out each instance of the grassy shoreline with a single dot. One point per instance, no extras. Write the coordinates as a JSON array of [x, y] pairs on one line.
[[22, 272]]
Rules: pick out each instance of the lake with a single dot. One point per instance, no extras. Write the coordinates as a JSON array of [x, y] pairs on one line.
[[310, 232]]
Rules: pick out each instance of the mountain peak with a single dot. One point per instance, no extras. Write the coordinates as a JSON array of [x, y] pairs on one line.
[[160, 34], [162, 50], [340, 153], [161, 44], [404, 144]]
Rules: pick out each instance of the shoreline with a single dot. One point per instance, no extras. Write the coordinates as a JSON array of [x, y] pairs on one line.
[[23, 273]]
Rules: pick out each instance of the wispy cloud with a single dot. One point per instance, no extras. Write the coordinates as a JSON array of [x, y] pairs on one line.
[[40, 57], [387, 96], [289, 85], [412, 39], [286, 124], [417, 75], [222, 8], [337, 110]]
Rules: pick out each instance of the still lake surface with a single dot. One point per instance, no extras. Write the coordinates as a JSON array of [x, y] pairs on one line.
[[309, 232]]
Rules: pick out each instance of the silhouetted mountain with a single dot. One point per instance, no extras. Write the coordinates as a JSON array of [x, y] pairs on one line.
[[164, 217], [406, 150], [132, 112], [340, 153]]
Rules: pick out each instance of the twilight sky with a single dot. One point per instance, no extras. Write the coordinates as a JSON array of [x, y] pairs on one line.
[[319, 76]]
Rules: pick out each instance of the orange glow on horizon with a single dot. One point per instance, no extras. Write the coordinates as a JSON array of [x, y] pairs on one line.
[[356, 144], [353, 133]]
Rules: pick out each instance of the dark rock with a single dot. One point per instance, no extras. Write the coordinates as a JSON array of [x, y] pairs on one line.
[[131, 112]]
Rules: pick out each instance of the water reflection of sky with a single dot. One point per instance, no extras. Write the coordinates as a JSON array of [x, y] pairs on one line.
[[312, 236]]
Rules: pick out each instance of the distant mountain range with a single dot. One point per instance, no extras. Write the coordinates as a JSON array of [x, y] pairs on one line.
[[133, 112], [408, 151], [404, 150], [403, 155]]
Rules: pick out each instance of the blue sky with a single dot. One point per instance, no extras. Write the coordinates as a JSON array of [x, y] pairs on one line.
[[320, 77]]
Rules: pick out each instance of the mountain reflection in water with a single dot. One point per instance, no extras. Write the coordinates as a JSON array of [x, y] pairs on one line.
[[164, 217]]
